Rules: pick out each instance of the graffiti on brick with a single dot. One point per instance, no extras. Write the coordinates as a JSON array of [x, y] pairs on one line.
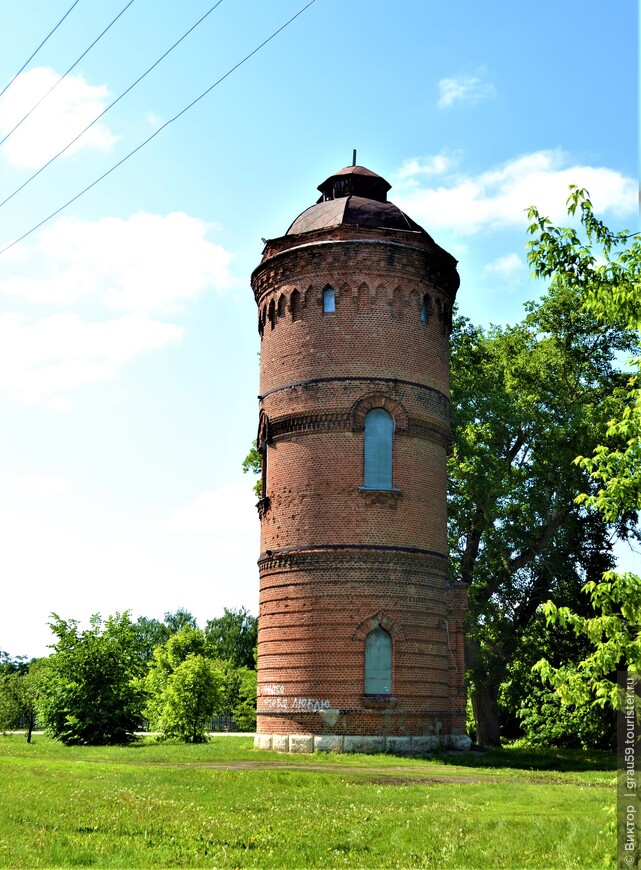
[[312, 705], [308, 705], [272, 689]]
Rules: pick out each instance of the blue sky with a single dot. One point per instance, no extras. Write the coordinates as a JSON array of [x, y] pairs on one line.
[[128, 342]]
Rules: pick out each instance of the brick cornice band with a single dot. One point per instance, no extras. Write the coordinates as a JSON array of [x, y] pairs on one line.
[[351, 554], [302, 424], [438, 398]]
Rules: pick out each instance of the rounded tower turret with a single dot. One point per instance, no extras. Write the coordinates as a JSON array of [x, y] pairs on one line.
[[360, 635]]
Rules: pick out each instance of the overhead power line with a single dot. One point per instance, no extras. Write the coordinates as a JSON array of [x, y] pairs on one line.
[[64, 75], [159, 130], [110, 106], [29, 59]]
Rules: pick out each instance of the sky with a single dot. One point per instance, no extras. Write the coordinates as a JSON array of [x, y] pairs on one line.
[[128, 337]]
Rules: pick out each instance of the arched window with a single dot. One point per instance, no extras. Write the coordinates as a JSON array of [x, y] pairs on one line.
[[294, 305], [379, 433], [263, 470], [378, 663], [425, 309], [329, 300]]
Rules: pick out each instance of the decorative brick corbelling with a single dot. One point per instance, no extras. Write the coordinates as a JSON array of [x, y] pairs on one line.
[[325, 421], [412, 255], [353, 557], [340, 420]]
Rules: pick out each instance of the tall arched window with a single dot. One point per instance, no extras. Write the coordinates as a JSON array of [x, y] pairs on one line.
[[425, 309], [294, 304], [329, 300], [263, 470], [379, 432], [378, 663]]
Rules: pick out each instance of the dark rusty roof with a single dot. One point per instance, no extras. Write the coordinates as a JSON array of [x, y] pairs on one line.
[[354, 181], [355, 211], [357, 170], [355, 196]]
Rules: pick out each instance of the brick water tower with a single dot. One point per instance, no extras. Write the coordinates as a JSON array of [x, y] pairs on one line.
[[360, 643]]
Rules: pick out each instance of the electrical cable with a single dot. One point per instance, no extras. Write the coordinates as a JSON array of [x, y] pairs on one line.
[[64, 76], [159, 130], [110, 106], [51, 32]]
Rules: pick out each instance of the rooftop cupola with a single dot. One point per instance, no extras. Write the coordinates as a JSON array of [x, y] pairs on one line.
[[354, 181]]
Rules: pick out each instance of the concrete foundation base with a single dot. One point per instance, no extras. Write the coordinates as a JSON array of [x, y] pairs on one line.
[[369, 745]]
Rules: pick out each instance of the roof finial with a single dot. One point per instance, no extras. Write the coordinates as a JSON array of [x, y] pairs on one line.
[[353, 156]]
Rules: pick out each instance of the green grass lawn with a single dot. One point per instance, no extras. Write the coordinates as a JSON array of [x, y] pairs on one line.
[[223, 804]]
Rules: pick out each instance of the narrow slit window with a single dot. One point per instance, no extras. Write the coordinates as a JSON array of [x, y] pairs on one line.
[[295, 305], [425, 309], [378, 662], [379, 435], [329, 300], [263, 469]]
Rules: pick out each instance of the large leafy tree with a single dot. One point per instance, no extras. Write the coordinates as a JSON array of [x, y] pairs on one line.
[[233, 637], [91, 694], [20, 688], [532, 710], [151, 633], [526, 399], [183, 686], [604, 269], [189, 699]]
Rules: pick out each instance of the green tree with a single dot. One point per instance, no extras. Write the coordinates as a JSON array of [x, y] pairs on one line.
[[604, 268], [243, 708], [20, 689], [91, 694], [151, 633], [252, 464], [233, 637], [168, 707], [179, 619], [534, 711], [189, 699], [525, 400]]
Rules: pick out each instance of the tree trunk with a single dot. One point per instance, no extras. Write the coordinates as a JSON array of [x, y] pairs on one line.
[[486, 715], [484, 693]]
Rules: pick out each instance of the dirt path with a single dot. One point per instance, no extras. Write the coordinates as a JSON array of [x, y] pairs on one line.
[[367, 774]]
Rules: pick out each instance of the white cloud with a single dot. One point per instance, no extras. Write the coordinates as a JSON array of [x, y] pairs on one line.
[[464, 89], [223, 514], [144, 263], [46, 359], [59, 118], [43, 487], [48, 554], [499, 197], [418, 167], [506, 267], [59, 404]]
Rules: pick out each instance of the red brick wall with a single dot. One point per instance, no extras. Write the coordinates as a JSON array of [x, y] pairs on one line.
[[337, 561]]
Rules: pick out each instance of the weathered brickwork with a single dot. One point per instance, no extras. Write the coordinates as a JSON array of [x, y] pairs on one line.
[[337, 559]]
